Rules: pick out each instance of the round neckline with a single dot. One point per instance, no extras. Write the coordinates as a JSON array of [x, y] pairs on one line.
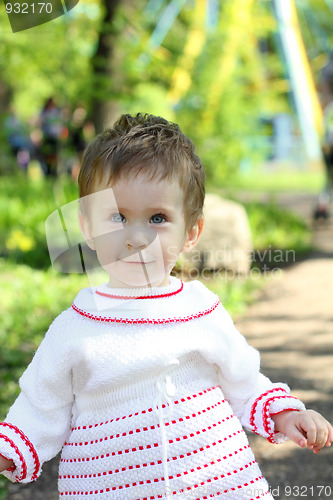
[[175, 286]]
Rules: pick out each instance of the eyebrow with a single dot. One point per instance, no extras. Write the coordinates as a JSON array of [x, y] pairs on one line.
[[148, 209], [107, 209]]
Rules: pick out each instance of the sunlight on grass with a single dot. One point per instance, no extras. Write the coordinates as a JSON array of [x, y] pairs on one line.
[[236, 293], [278, 180]]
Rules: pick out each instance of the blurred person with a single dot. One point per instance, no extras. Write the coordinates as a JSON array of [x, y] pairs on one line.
[[51, 125], [19, 141], [76, 139]]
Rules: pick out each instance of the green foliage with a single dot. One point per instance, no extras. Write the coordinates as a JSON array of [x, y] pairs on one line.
[[152, 97], [284, 179], [3, 488], [25, 204], [52, 59], [276, 228], [233, 84], [236, 293], [316, 26], [230, 91], [230, 80]]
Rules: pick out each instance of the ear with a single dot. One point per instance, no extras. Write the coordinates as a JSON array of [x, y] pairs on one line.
[[193, 236], [86, 231]]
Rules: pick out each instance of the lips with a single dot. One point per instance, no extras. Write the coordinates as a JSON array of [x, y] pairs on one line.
[[138, 262], [132, 259]]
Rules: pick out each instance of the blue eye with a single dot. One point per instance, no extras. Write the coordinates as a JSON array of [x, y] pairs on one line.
[[158, 219], [117, 218]]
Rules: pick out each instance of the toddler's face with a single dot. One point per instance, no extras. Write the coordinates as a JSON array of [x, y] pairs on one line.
[[137, 228]]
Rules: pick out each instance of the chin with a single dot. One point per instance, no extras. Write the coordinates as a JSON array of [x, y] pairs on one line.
[[138, 282], [137, 279]]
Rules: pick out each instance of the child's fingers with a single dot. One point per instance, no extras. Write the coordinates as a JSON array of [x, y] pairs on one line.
[[298, 437], [320, 440], [308, 429], [318, 433], [330, 435], [311, 434]]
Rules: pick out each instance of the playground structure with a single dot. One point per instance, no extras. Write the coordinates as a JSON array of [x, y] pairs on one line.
[[291, 46]]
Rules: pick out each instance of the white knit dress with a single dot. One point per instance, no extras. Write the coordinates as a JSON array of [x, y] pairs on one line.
[[146, 393]]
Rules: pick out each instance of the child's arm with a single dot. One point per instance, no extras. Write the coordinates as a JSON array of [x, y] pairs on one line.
[[5, 464], [307, 428], [37, 424]]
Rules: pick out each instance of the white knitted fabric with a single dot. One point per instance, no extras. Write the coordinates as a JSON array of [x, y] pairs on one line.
[[145, 391]]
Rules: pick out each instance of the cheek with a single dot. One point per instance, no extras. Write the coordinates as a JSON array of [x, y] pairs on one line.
[[172, 253], [172, 246], [108, 246]]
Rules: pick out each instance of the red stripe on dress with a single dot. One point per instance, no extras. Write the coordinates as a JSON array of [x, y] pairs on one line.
[[143, 412], [151, 427], [123, 297], [185, 473], [245, 485], [214, 495], [150, 446], [158, 462], [144, 321]]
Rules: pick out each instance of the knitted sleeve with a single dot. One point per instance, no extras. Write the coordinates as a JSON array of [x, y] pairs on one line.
[[38, 422], [252, 396]]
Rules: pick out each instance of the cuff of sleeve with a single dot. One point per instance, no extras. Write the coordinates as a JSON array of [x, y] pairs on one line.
[[278, 405], [270, 403], [15, 446], [10, 469]]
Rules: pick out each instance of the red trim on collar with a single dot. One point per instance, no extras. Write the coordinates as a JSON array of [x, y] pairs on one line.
[[144, 321], [163, 295]]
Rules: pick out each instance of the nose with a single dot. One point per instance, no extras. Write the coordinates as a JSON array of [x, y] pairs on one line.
[[139, 237]]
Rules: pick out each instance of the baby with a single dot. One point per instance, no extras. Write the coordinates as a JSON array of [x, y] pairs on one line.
[[144, 383]]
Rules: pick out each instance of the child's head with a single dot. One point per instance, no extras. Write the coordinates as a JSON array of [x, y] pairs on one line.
[[148, 145], [147, 192]]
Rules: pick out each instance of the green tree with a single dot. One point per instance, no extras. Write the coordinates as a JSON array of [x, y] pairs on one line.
[[231, 87], [51, 59], [214, 80]]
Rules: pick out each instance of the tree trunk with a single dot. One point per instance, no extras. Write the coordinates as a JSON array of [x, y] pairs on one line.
[[5, 97], [102, 67]]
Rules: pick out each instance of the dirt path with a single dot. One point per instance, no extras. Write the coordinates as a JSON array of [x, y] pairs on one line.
[[292, 326]]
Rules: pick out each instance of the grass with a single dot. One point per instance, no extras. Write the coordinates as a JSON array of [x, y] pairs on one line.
[[237, 293], [277, 229], [274, 180]]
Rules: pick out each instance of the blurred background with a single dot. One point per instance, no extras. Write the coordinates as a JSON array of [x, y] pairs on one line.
[[243, 78], [250, 81]]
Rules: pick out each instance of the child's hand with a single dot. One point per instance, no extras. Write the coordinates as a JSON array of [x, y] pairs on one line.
[[307, 428], [5, 464]]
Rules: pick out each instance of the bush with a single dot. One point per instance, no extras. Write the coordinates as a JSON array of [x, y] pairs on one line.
[[25, 204], [276, 229]]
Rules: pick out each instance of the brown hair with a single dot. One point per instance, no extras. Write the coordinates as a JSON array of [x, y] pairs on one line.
[[148, 144]]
